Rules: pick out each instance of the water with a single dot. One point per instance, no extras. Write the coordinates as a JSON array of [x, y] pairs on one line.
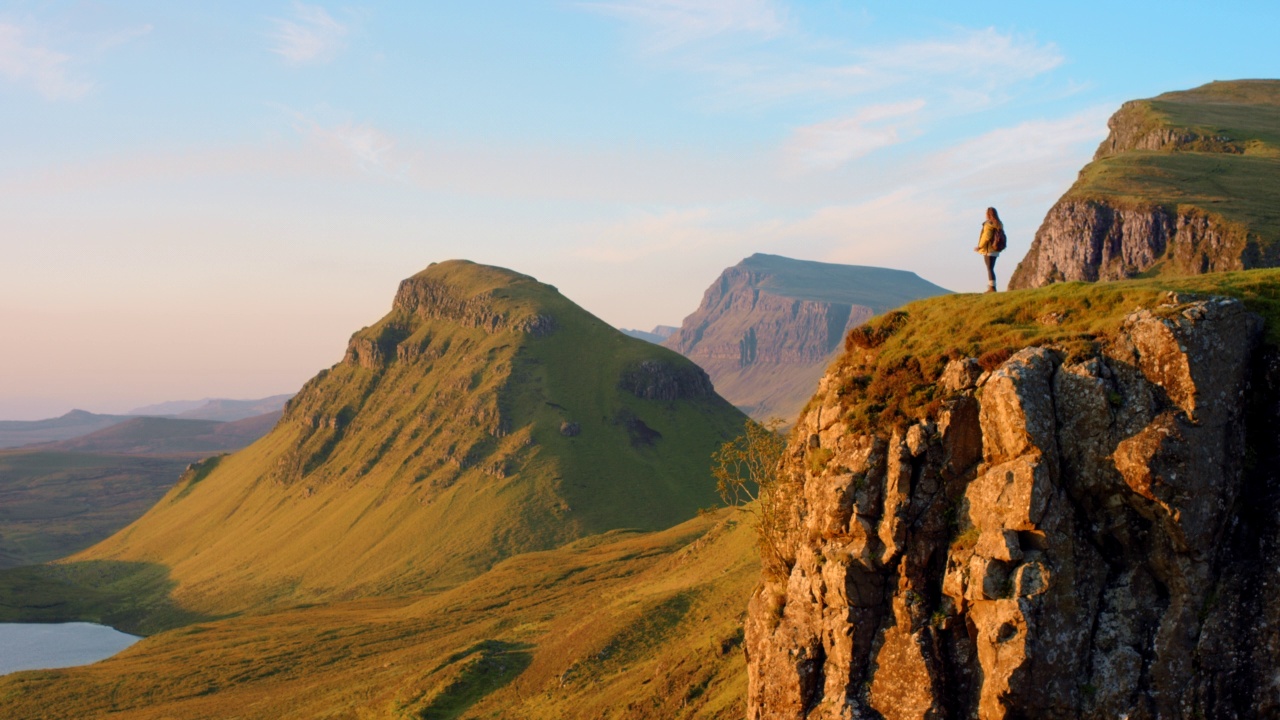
[[41, 646]]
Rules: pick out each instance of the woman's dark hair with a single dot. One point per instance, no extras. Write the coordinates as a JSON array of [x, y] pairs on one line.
[[992, 215]]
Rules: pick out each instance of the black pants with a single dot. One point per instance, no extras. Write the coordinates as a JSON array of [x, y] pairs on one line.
[[991, 269]]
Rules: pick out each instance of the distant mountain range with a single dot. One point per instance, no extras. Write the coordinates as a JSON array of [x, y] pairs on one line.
[[16, 433], [78, 423], [215, 408], [768, 326], [656, 335], [169, 436]]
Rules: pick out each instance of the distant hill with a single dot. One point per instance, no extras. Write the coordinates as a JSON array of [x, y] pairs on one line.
[[16, 433], [1185, 183], [484, 416], [54, 503], [61, 497], [656, 335], [215, 408], [161, 436], [768, 326]]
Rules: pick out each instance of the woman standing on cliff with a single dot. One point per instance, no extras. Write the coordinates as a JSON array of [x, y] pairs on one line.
[[990, 243]]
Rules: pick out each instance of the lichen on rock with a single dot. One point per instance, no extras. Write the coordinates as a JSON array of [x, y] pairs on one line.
[[1055, 539]]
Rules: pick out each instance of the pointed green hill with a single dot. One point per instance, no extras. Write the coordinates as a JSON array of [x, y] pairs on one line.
[[484, 416]]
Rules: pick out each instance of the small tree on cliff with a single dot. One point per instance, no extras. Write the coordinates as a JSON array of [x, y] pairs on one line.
[[748, 470]]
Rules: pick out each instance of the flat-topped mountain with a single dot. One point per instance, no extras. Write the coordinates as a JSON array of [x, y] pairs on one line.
[[484, 416], [768, 326], [1185, 183]]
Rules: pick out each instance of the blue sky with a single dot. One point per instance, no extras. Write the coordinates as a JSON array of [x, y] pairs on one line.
[[206, 199]]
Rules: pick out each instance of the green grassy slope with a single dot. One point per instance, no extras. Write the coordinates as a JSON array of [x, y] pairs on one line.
[[623, 625], [55, 503], [1227, 162], [435, 450], [897, 357]]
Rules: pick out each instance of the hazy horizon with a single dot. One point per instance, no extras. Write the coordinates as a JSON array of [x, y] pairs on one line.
[[207, 200]]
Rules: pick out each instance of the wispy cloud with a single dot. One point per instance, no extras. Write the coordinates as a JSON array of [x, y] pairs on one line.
[[1018, 159], [45, 70], [312, 36], [985, 54], [672, 23], [832, 143], [359, 145], [656, 233], [367, 146]]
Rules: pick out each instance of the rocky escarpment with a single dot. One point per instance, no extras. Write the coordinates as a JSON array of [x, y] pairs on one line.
[[768, 326], [1095, 239], [1133, 127], [1063, 534], [423, 299], [1185, 183]]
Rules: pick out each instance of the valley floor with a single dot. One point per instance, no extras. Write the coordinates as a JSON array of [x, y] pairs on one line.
[[623, 625]]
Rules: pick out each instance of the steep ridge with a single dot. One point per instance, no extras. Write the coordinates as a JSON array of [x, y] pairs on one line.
[[1185, 183], [768, 326], [1055, 504], [485, 415]]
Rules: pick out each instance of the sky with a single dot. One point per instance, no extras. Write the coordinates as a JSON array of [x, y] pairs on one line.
[[205, 199]]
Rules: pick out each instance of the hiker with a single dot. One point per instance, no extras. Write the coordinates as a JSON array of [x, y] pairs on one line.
[[990, 243]]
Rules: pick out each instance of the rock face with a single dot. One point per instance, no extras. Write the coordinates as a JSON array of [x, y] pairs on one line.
[[1094, 240], [1059, 538], [768, 326], [1184, 183]]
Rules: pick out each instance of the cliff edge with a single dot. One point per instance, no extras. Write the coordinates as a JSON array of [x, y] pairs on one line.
[[1185, 183], [1077, 527]]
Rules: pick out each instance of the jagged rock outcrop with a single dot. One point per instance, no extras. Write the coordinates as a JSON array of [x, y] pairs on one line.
[[1170, 191], [768, 326], [1061, 536]]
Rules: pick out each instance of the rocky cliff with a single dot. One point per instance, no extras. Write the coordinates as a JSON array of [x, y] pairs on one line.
[[1184, 183], [1081, 528], [768, 326]]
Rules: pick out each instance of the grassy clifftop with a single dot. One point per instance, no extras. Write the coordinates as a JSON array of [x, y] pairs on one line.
[[1185, 183], [1215, 147], [897, 358]]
